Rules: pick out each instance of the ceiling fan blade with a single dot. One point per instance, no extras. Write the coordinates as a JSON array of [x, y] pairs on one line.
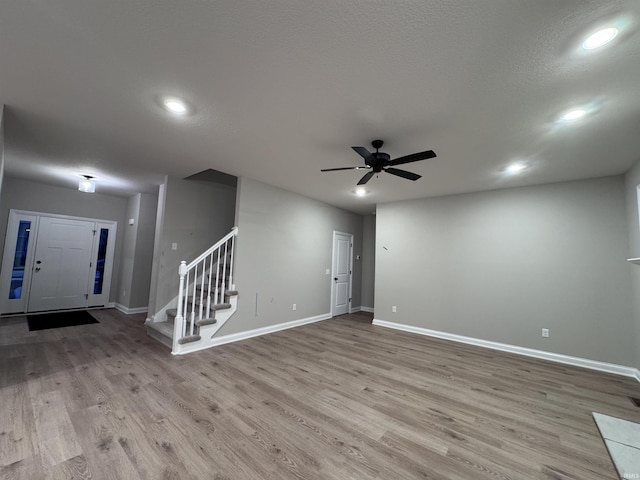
[[403, 173], [414, 157], [363, 152], [343, 168], [366, 178]]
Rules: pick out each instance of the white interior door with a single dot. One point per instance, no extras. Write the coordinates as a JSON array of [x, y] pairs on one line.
[[341, 285], [62, 264]]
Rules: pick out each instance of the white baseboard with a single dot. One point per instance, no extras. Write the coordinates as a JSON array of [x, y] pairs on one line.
[[529, 352], [237, 337], [130, 311]]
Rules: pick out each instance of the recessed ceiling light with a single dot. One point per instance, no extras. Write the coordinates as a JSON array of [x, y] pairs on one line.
[[574, 114], [600, 38], [515, 168], [175, 106], [360, 191]]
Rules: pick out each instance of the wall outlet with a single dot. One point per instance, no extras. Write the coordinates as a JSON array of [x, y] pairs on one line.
[[545, 332], [393, 309], [174, 246], [294, 306]]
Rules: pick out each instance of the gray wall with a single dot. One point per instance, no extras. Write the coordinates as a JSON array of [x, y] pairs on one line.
[[284, 246], [137, 251], [38, 197], [502, 265], [196, 215], [632, 181], [1, 146], [368, 260]]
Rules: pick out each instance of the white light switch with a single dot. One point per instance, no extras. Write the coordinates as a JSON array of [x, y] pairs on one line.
[[327, 271], [174, 246]]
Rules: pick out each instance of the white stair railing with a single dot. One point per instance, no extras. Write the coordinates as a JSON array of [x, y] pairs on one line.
[[203, 284]]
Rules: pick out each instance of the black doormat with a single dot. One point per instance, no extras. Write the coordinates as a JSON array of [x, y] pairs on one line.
[[45, 321]]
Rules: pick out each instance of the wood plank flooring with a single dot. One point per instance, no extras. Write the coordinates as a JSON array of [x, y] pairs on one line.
[[339, 399]]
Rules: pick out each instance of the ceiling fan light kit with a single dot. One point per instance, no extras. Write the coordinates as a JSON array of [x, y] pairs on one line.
[[379, 162]]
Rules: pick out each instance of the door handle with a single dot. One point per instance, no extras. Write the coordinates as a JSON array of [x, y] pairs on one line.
[[335, 278], [37, 269]]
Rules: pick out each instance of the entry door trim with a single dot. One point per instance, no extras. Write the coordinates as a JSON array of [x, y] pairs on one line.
[[101, 299], [333, 273]]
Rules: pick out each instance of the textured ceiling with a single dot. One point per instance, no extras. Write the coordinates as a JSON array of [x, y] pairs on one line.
[[284, 88]]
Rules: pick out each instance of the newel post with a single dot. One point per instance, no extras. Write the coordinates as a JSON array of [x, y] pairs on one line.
[[179, 320]]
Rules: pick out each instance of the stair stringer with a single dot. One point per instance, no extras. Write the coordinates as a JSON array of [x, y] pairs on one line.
[[207, 332]]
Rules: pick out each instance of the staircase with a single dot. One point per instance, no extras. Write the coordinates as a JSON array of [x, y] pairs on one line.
[[206, 300]]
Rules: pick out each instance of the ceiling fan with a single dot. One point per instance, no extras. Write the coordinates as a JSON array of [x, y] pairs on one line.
[[381, 162]]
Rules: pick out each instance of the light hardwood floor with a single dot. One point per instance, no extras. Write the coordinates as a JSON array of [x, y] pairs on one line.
[[339, 399]]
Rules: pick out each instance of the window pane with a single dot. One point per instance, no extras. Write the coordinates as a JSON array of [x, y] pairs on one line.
[[19, 258], [102, 254]]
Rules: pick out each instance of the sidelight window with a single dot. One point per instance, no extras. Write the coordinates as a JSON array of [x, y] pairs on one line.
[[100, 261], [19, 258]]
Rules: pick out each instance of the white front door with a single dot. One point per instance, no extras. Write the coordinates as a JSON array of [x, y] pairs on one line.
[[341, 283], [62, 264]]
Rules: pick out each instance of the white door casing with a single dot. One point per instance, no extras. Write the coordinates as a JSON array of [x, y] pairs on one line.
[[341, 273]]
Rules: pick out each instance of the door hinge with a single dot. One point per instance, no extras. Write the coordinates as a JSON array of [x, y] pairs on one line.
[[90, 264], [86, 296], [94, 232]]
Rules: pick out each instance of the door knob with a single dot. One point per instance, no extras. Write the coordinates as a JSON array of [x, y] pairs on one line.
[[37, 269], [335, 278]]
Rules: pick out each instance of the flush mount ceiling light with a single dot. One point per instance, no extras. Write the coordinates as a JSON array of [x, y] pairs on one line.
[[87, 184], [515, 168], [600, 38], [360, 192], [175, 106]]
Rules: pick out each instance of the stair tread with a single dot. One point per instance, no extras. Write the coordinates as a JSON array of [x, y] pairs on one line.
[[189, 339], [206, 290], [205, 321], [204, 297], [173, 312]]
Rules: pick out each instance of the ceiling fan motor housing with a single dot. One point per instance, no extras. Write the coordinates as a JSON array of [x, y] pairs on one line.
[[377, 160]]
